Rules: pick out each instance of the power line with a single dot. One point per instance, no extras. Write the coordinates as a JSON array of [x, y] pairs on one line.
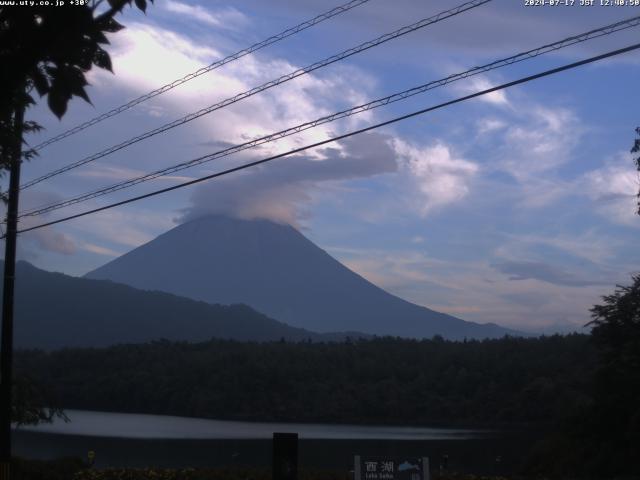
[[265, 86], [596, 33], [228, 59], [341, 137]]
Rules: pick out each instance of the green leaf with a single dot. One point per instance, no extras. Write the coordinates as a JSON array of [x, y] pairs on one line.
[[74, 81], [81, 92], [27, 99], [57, 102], [100, 37], [85, 59], [636, 144], [41, 82], [111, 26], [30, 126], [101, 59]]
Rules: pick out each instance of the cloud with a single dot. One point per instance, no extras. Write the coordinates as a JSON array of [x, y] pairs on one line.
[[228, 18], [108, 172], [534, 300], [434, 177], [405, 271], [532, 144], [543, 140], [490, 30], [473, 289], [119, 174], [439, 176], [488, 125], [45, 239], [525, 270], [479, 83], [34, 198], [280, 191], [391, 270], [141, 55], [51, 241], [613, 189], [435, 174], [532, 141], [123, 228], [100, 250], [596, 248]]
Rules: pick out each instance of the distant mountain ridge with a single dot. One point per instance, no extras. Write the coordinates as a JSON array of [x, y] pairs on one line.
[[276, 270], [55, 310]]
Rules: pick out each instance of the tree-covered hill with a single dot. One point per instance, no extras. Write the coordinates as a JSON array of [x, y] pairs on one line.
[[55, 310], [512, 381]]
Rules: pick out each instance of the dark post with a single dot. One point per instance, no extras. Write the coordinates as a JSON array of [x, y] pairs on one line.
[[6, 343], [285, 456]]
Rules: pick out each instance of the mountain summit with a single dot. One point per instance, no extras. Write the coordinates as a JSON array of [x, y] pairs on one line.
[[276, 270]]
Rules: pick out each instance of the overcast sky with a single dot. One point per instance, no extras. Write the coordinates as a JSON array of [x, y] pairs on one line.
[[515, 208]]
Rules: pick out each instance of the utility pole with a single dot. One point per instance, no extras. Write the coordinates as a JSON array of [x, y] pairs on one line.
[[6, 342]]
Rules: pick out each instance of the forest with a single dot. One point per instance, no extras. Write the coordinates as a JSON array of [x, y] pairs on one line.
[[506, 382]]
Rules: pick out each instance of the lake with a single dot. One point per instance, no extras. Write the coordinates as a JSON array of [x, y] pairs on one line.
[[137, 440], [128, 425]]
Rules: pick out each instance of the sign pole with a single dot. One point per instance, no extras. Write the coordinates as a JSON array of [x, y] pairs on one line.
[[426, 470]]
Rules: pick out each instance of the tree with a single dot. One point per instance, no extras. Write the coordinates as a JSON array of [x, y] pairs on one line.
[[616, 332], [47, 49], [636, 149], [32, 404]]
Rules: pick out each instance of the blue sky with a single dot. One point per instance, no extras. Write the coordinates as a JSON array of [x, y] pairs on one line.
[[517, 208]]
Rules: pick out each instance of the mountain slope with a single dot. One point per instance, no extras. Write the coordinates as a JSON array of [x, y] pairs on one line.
[[55, 310], [276, 270]]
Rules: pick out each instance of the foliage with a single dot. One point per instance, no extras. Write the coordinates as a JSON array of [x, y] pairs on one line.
[[616, 414], [59, 469], [603, 440], [31, 405], [512, 381], [231, 474], [636, 149], [74, 469], [185, 473], [49, 50]]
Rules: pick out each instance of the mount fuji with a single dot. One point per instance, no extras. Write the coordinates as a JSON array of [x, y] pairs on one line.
[[276, 270]]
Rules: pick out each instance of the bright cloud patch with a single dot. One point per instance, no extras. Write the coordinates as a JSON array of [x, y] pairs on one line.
[[228, 18], [283, 190], [480, 83], [439, 176], [542, 141], [613, 188]]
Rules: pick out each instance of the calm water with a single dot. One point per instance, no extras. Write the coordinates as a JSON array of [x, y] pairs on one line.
[[126, 425], [128, 440]]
